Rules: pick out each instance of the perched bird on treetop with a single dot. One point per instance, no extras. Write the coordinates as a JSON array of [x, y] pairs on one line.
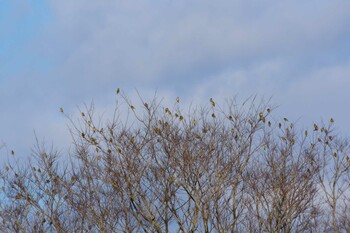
[[212, 102]]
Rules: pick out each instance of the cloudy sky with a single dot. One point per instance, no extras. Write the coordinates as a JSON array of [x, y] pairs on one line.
[[66, 53]]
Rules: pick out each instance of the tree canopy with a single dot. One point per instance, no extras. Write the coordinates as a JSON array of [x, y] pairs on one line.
[[222, 167]]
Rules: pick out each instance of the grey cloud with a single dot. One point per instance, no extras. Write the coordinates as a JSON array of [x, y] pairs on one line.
[[148, 41]]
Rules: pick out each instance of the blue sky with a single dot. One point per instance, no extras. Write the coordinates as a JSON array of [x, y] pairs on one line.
[[66, 53]]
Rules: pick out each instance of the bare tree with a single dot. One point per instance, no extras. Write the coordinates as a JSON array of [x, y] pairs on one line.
[[155, 168], [334, 184], [282, 183]]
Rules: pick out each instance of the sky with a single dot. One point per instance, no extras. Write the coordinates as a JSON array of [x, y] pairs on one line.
[[63, 53]]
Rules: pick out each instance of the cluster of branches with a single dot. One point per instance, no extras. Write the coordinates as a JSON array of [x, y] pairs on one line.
[[161, 169]]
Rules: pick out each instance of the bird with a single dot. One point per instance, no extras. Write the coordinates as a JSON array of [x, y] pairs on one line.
[[212, 102]]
